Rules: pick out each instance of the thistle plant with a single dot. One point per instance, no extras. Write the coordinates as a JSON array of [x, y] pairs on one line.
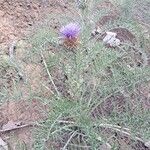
[[96, 77]]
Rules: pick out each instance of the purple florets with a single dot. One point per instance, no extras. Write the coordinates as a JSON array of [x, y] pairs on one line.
[[70, 31]]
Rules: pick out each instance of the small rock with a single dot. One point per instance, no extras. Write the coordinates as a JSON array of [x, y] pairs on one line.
[[111, 39], [109, 36]]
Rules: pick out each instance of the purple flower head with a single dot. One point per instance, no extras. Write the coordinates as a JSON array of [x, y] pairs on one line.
[[70, 31]]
